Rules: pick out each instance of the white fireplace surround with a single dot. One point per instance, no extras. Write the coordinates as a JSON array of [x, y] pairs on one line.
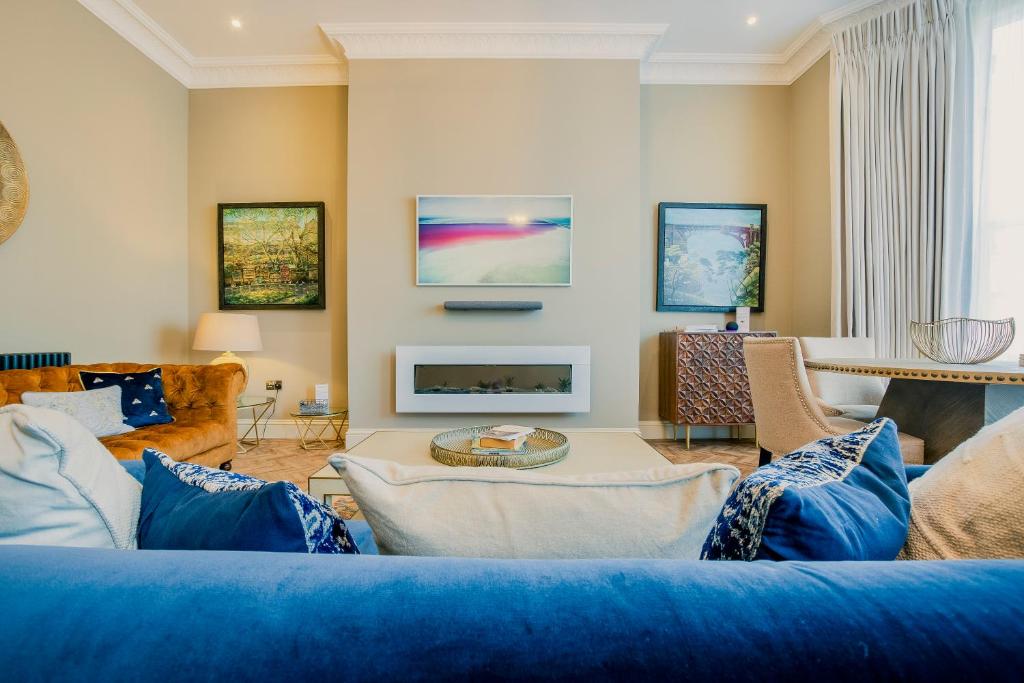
[[575, 401]]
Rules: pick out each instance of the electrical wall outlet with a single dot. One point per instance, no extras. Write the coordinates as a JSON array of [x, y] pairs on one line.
[[274, 385]]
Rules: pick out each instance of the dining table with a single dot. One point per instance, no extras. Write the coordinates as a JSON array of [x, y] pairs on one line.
[[942, 404]]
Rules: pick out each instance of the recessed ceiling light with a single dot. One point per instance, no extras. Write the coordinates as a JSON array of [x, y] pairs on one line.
[[236, 23], [751, 20]]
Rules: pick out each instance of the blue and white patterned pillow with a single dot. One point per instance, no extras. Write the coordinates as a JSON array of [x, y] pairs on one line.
[[838, 498], [188, 506], [142, 394]]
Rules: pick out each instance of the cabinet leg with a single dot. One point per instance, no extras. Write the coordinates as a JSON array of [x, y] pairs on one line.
[[687, 437]]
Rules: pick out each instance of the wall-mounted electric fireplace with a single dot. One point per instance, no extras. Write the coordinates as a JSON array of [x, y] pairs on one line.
[[492, 379]]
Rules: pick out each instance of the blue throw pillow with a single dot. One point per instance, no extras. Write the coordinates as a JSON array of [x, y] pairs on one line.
[[839, 498], [142, 394], [136, 468], [191, 507]]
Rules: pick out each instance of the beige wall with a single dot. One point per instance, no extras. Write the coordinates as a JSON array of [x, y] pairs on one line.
[[98, 267], [113, 265], [809, 135], [272, 144], [714, 144], [495, 127]]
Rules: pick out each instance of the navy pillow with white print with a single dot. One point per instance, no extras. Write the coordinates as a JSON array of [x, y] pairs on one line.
[[838, 498], [190, 507], [142, 394]]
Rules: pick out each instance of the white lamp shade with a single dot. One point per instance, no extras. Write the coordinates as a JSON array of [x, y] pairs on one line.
[[227, 332]]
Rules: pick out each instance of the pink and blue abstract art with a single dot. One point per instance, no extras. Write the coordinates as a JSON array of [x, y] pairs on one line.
[[494, 240]]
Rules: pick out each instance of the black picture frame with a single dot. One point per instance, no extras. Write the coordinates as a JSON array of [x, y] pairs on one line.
[[321, 298], [663, 207]]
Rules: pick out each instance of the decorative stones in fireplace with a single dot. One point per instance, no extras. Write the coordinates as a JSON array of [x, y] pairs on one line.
[[492, 379]]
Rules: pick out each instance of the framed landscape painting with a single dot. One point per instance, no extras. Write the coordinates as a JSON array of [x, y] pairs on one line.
[[271, 255], [494, 240], [711, 256]]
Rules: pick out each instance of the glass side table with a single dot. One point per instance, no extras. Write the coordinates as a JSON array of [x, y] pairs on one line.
[[313, 428], [261, 407]]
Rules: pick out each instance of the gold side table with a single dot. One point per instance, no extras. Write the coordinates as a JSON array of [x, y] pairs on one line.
[[312, 428], [264, 404]]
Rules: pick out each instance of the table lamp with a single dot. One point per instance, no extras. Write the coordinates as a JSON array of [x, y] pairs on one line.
[[228, 332]]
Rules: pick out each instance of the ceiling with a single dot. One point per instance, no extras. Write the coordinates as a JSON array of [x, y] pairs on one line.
[[305, 42], [273, 27]]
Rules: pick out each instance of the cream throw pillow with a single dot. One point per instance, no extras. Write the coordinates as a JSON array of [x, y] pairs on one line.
[[60, 486], [970, 503], [665, 512], [99, 410]]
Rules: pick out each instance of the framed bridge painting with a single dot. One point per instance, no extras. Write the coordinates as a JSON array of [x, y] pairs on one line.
[[711, 256], [271, 255]]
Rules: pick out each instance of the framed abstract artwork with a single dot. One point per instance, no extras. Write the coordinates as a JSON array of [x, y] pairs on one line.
[[271, 255], [494, 240], [711, 256]]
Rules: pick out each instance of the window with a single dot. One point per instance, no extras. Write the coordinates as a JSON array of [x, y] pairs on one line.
[[998, 290]]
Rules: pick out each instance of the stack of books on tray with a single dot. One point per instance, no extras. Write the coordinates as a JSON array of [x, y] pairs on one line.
[[502, 440]]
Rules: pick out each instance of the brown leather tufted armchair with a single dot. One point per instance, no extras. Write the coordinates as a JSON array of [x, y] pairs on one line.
[[200, 397]]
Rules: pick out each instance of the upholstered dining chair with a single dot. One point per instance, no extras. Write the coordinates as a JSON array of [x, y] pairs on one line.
[[785, 410], [854, 396]]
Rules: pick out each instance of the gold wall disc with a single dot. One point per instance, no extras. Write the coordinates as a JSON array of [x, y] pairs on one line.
[[13, 186]]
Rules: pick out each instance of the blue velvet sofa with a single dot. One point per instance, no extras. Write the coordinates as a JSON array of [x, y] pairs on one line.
[[75, 614], [106, 615]]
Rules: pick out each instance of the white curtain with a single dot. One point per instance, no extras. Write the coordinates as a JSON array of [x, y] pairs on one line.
[[996, 30], [901, 247]]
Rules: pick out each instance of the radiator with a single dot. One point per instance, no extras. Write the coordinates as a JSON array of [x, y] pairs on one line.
[[29, 361]]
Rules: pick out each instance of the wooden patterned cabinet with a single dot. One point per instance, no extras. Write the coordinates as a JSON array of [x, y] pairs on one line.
[[702, 379]]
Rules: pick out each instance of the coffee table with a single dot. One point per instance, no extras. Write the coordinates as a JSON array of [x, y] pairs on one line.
[[589, 453]]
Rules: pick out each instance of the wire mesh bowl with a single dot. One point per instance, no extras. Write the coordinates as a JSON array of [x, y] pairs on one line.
[[543, 447], [963, 340]]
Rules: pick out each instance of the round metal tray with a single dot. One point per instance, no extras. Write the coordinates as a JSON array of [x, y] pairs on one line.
[[543, 447]]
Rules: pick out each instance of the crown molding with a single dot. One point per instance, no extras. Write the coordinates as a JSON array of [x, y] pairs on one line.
[[841, 13], [808, 53], [714, 58], [495, 40], [481, 41], [688, 69], [139, 29], [259, 72], [759, 69]]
